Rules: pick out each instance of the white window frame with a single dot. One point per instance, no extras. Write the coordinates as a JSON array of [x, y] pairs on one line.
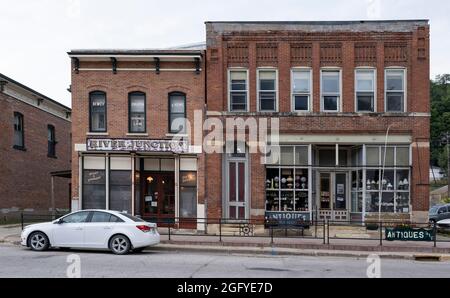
[[267, 69], [405, 88], [230, 70], [322, 95], [310, 94], [364, 68]]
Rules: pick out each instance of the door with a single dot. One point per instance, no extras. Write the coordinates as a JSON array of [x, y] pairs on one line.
[[70, 232], [237, 190], [340, 192], [159, 196], [333, 192], [99, 229]]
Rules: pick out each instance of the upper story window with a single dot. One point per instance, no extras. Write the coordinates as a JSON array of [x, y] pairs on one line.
[[301, 89], [97, 111], [395, 90], [267, 90], [177, 112], [51, 139], [365, 90], [136, 112], [238, 90], [330, 90], [19, 139]]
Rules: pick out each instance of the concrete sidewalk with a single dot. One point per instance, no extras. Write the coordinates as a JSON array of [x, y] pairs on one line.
[[283, 246]]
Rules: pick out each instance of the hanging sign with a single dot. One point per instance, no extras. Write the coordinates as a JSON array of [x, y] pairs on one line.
[[174, 146]]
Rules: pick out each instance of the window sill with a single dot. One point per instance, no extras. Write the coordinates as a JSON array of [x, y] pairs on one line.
[[52, 156], [133, 134], [97, 134], [19, 148]]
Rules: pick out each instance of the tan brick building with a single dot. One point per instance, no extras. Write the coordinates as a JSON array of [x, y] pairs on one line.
[[34, 146], [342, 93]]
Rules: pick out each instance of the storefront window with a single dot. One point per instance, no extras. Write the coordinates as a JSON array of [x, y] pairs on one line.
[[188, 194], [120, 191], [357, 191], [94, 189], [287, 185]]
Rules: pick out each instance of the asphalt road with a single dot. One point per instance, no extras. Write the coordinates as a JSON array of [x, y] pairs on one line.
[[19, 262]]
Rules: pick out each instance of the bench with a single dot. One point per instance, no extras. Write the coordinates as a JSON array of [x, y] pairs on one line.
[[286, 224]]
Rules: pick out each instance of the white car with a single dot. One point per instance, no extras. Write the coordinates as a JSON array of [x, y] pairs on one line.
[[93, 229], [444, 224]]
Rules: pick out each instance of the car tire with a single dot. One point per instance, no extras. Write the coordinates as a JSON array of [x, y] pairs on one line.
[[38, 241], [138, 250], [120, 245]]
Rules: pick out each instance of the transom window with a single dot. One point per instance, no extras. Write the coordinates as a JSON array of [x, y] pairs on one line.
[[301, 89], [395, 90], [97, 111], [177, 112], [267, 90], [19, 142], [137, 112], [238, 88], [331, 90], [365, 90]]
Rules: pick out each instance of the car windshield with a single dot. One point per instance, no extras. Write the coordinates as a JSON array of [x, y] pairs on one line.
[[133, 218], [434, 210]]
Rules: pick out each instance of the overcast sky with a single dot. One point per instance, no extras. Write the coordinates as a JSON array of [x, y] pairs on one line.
[[35, 35]]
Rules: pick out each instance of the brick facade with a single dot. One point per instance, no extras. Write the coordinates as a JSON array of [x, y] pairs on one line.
[[26, 179]]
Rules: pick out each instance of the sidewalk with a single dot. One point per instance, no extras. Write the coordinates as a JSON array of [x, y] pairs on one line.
[[283, 246]]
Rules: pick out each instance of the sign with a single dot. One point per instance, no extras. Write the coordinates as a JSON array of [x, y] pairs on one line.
[[174, 146], [287, 218], [409, 234]]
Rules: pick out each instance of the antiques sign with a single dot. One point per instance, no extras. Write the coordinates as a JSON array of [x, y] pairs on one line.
[[409, 234], [287, 217], [137, 145]]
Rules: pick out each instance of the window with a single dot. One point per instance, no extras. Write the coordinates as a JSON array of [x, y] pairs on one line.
[[267, 90], [98, 217], [287, 184], [94, 189], [188, 194], [365, 90], [133, 218], [177, 112], [51, 141], [331, 90], [19, 142], [120, 191], [97, 111], [238, 88], [301, 89], [136, 112], [76, 217], [395, 90]]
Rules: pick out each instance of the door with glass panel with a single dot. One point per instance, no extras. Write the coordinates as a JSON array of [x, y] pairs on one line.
[[237, 189], [333, 192]]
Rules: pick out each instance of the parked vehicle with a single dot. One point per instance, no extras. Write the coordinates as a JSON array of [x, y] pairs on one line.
[[444, 225], [93, 229], [438, 213]]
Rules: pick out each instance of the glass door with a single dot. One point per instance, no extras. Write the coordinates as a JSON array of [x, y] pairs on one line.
[[340, 197], [325, 191], [159, 196], [237, 190]]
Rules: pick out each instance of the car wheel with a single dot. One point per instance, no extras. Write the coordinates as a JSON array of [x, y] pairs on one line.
[[119, 245], [38, 241]]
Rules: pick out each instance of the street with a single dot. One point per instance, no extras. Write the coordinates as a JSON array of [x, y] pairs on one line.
[[19, 262]]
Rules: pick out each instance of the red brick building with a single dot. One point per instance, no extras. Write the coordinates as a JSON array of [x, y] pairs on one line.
[[351, 100], [342, 92], [34, 147]]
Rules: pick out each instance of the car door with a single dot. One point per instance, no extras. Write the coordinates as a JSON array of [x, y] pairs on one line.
[[441, 213], [99, 229], [69, 231]]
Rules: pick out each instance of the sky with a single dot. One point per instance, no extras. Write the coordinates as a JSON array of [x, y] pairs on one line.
[[35, 35]]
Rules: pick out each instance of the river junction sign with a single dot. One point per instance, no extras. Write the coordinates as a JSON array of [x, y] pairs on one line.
[[142, 145]]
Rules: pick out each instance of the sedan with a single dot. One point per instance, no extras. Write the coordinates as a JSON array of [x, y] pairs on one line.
[[92, 229], [444, 225]]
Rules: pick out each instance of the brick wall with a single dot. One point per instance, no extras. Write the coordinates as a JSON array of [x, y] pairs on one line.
[[25, 175]]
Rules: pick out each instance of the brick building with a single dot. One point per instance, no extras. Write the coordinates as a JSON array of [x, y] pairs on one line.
[[34, 147], [351, 100], [342, 92]]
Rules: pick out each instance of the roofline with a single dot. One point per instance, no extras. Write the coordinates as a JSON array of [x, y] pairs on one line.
[[8, 79], [133, 52], [320, 22]]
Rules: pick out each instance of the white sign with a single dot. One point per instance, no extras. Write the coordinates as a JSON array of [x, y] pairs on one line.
[[174, 146]]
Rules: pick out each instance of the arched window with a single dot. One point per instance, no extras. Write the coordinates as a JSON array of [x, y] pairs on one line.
[[137, 117], [51, 136], [97, 111], [177, 112]]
